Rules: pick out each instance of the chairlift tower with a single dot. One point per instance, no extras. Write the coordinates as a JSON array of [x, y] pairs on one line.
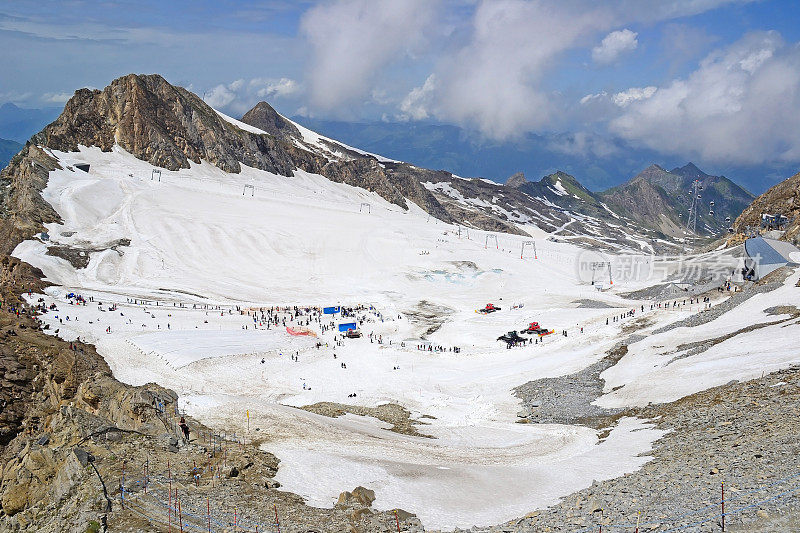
[[691, 219], [522, 250], [601, 265]]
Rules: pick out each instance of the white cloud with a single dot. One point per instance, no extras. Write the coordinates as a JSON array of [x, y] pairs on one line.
[[415, 105], [494, 82], [240, 95], [15, 97], [222, 95], [634, 94], [281, 88], [583, 144], [589, 98], [614, 45], [495, 75], [740, 105], [685, 43], [352, 39], [56, 98]]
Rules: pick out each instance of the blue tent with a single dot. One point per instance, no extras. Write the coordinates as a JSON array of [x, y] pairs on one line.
[[347, 326], [331, 310]]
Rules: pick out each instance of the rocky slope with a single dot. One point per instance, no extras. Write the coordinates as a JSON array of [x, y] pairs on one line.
[[729, 198], [71, 434], [170, 127], [662, 199], [738, 434], [783, 198], [646, 201]]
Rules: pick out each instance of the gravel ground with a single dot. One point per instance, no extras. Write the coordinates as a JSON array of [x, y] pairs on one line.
[[667, 291], [738, 433], [773, 281], [391, 413], [586, 303], [744, 434], [568, 399]]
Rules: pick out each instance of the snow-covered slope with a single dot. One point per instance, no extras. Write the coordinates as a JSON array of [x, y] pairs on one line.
[[310, 140], [202, 237], [182, 255]]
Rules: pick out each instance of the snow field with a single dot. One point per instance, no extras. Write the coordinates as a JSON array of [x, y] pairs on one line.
[[649, 372], [197, 240]]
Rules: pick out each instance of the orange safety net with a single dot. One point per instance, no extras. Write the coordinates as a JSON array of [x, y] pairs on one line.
[[300, 332]]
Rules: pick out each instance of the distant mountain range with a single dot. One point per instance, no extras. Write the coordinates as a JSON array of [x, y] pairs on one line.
[[8, 149], [170, 127], [599, 162], [19, 123], [662, 199], [441, 146]]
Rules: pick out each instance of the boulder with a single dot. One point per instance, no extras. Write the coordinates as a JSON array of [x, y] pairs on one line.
[[41, 463], [71, 473], [83, 456], [359, 496], [14, 499], [364, 496], [403, 515]]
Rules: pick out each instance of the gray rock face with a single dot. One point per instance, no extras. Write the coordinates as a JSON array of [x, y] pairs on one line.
[[264, 117], [68, 476], [83, 456], [517, 180], [784, 199], [167, 126]]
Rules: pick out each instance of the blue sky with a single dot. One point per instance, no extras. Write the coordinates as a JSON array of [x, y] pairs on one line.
[[715, 81]]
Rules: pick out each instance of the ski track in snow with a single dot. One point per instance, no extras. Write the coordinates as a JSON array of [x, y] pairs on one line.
[[198, 237]]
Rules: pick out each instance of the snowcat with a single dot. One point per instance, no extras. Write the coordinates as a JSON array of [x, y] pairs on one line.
[[535, 328], [512, 338], [490, 308], [352, 334]]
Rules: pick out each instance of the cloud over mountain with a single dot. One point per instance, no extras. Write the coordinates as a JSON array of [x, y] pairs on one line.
[[740, 104], [350, 40]]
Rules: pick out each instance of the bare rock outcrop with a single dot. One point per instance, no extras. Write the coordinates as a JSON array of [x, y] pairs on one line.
[[167, 126], [783, 199]]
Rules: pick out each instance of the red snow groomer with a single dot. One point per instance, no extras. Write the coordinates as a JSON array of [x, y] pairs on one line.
[[490, 308], [535, 328]]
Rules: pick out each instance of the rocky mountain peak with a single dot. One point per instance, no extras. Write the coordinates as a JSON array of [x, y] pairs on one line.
[[167, 126], [656, 175], [517, 180], [561, 179], [690, 172], [264, 117], [170, 127]]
